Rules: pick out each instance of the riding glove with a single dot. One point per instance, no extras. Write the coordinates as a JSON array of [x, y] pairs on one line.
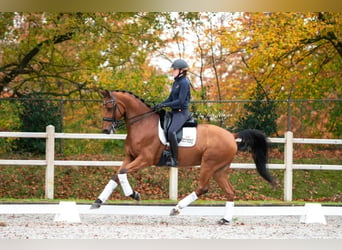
[[158, 106]]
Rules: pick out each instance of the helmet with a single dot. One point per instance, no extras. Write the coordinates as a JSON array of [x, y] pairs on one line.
[[179, 64]]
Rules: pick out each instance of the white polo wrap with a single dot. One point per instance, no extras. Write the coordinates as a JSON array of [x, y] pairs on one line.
[[126, 187], [107, 191], [229, 210], [187, 200]]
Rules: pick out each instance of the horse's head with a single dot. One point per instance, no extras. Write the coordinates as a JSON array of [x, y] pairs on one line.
[[112, 113]]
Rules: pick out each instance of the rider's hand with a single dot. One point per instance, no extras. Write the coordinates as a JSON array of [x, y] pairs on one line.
[[158, 106]]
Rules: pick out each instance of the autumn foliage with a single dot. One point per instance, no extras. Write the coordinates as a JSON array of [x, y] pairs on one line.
[[238, 62]]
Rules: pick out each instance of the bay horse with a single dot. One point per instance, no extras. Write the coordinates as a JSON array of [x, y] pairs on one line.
[[214, 150]]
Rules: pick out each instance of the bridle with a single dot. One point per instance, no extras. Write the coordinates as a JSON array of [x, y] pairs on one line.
[[116, 124]]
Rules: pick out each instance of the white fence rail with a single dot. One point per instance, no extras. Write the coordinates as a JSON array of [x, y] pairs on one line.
[[50, 161]]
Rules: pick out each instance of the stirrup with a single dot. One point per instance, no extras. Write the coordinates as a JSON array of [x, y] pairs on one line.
[[171, 162]]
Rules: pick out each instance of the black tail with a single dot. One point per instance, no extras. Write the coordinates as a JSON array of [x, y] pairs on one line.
[[257, 142]]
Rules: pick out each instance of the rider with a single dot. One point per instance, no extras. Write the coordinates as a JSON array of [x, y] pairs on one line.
[[178, 101]]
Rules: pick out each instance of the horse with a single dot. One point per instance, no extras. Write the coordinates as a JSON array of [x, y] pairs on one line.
[[214, 150]]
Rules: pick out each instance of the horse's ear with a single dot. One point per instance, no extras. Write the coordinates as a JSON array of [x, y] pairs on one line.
[[105, 93]]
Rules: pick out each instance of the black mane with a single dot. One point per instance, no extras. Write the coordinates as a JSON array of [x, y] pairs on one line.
[[128, 92]]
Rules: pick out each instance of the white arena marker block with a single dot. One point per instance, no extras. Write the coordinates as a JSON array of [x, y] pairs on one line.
[[67, 212], [313, 213]]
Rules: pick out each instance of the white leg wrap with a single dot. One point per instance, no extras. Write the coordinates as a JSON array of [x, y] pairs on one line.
[[107, 191], [229, 210], [187, 200], [126, 187]]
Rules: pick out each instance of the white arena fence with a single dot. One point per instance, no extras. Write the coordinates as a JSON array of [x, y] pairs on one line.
[[50, 161]]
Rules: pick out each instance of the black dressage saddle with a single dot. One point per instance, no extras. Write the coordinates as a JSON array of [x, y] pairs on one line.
[[166, 119]]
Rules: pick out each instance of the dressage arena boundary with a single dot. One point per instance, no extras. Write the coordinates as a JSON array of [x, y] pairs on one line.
[[69, 211], [50, 161], [164, 210]]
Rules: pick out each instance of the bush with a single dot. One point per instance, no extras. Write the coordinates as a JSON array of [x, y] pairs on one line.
[[35, 115], [261, 114]]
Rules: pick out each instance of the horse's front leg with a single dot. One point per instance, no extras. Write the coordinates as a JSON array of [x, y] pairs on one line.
[[121, 178], [126, 186]]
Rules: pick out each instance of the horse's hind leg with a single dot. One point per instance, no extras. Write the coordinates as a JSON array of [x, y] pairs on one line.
[[203, 187], [221, 177]]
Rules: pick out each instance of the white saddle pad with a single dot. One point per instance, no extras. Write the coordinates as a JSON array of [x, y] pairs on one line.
[[188, 140]]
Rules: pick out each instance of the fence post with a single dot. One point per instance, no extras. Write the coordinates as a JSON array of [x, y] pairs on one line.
[[173, 184], [50, 158], [288, 175]]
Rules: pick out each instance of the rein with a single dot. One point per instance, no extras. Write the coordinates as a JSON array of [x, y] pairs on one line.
[[137, 118], [140, 117]]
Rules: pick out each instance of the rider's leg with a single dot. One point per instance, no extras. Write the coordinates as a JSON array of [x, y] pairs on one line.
[[174, 149], [178, 119]]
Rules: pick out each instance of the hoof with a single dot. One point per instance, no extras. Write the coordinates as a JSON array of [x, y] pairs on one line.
[[96, 204], [136, 196], [174, 211], [223, 221]]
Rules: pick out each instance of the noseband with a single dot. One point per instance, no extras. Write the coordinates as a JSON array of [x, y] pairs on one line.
[[115, 122]]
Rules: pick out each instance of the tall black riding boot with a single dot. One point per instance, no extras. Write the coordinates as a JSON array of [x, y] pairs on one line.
[[174, 150]]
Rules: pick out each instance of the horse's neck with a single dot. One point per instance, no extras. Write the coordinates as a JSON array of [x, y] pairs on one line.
[[144, 128], [135, 115], [135, 111], [143, 117]]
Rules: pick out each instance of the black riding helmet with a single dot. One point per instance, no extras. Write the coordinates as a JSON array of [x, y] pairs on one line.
[[180, 64]]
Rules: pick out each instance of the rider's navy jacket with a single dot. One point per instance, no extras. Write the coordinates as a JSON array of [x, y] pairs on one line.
[[180, 94]]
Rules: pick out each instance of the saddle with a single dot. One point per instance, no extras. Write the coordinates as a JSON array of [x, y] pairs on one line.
[[186, 136], [166, 119]]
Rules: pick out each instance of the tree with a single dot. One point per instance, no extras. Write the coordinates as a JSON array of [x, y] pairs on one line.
[[72, 55], [292, 53], [35, 114], [260, 114], [62, 54], [292, 56]]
